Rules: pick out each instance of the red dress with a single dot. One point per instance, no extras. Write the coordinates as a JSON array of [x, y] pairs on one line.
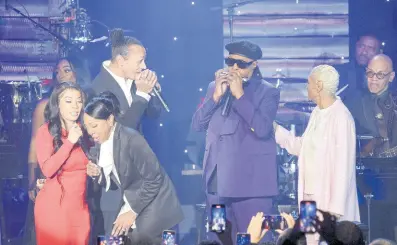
[[61, 212]]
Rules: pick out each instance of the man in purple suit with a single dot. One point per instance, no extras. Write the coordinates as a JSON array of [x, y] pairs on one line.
[[240, 156]]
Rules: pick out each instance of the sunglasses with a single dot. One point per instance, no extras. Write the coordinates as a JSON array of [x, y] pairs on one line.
[[241, 64]]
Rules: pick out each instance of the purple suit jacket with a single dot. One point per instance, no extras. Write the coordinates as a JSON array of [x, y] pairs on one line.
[[241, 145]]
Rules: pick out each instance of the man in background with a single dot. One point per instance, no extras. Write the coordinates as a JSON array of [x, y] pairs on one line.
[[353, 73]]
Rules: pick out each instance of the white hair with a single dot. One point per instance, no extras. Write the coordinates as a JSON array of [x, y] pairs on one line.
[[381, 241], [328, 76]]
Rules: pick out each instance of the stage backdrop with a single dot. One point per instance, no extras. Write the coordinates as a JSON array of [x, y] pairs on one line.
[[294, 35]]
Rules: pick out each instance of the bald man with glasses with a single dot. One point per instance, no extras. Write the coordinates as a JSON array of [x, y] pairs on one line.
[[374, 110], [375, 114]]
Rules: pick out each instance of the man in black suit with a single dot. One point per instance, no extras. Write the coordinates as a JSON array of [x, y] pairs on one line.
[[353, 73], [137, 194], [128, 78]]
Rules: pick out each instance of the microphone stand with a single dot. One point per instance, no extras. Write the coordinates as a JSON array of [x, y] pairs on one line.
[[64, 42], [230, 13]]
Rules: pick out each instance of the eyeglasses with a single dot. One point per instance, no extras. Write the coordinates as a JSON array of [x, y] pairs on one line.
[[379, 75], [241, 64]]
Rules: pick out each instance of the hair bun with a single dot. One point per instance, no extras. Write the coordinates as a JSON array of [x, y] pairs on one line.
[[117, 37]]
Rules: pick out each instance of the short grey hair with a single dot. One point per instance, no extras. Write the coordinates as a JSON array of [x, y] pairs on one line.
[[328, 76], [381, 241]]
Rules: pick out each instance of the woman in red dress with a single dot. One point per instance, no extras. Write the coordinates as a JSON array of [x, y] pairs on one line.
[[61, 212]]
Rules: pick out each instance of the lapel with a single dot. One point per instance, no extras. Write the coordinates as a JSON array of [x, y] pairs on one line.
[[367, 109], [115, 89], [133, 91], [95, 152], [117, 151]]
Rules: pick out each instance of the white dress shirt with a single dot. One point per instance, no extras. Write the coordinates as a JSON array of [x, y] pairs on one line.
[[125, 85], [106, 162]]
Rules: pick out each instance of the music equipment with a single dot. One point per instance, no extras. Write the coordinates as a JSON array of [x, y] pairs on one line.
[[18, 99], [383, 167], [14, 202], [300, 106], [392, 152]]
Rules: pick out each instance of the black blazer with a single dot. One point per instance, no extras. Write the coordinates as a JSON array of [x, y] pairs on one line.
[[131, 115], [144, 182]]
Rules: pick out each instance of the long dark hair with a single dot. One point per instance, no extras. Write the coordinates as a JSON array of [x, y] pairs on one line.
[[80, 69], [53, 117], [103, 106]]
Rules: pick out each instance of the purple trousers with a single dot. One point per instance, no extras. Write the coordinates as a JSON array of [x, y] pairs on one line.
[[239, 212]]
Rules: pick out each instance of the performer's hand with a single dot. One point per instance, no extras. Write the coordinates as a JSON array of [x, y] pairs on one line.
[[145, 81], [255, 228], [75, 133], [93, 170], [236, 84], [220, 84], [290, 222], [123, 223]]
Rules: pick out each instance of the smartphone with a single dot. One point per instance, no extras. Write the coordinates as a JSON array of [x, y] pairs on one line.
[[307, 215], [243, 239], [169, 237], [274, 222], [110, 240], [218, 218]]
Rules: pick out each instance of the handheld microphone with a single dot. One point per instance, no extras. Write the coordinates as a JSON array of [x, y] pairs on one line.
[[227, 97], [162, 101]]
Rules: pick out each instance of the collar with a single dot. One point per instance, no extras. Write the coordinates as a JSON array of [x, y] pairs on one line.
[[111, 136], [118, 79], [381, 97], [329, 108]]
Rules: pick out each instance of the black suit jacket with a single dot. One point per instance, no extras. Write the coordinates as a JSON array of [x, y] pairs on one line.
[[131, 115], [144, 182], [353, 74], [361, 105]]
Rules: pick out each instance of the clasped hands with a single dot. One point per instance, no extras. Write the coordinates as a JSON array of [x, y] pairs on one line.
[[146, 81], [228, 78]]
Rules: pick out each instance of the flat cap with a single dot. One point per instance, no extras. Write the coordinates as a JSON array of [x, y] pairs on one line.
[[245, 48]]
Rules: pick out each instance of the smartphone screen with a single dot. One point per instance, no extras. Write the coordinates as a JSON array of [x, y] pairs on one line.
[[110, 240], [243, 239], [218, 218], [274, 222], [169, 237], [307, 215]]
